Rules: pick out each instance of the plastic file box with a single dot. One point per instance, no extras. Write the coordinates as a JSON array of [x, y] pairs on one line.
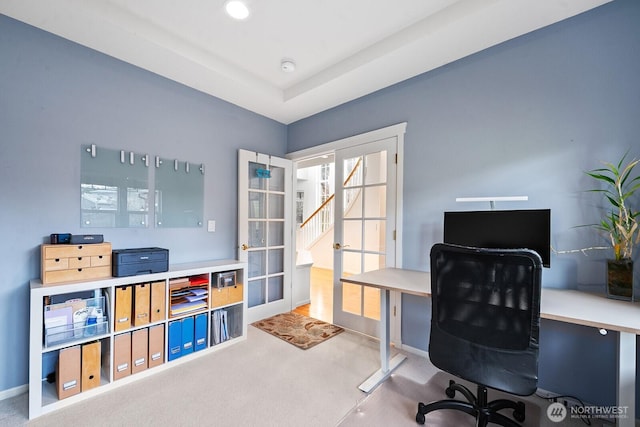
[[187, 335], [200, 333], [175, 340]]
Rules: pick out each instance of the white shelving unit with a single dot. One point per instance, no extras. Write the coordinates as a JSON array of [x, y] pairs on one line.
[[43, 354]]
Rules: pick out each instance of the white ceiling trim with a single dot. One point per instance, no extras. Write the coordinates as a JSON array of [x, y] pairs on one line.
[[461, 29]]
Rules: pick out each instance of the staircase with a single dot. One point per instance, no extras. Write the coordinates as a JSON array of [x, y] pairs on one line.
[[320, 221]]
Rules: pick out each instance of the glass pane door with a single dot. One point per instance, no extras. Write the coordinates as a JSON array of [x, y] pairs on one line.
[[264, 216], [364, 226]]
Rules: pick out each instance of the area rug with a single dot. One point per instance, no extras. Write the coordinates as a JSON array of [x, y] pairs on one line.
[[301, 331]]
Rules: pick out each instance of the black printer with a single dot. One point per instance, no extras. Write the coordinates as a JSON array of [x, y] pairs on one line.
[[132, 262]]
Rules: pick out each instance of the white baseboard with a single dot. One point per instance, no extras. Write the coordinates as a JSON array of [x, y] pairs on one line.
[[12, 392], [414, 350]]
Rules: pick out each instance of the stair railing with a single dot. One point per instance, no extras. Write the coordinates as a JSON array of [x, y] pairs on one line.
[[321, 219]]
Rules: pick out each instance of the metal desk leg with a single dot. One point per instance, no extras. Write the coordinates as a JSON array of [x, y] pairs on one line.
[[386, 366], [627, 378]]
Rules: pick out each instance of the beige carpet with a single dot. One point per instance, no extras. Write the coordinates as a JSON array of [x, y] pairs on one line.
[[399, 397], [266, 382], [260, 382], [395, 402], [301, 331]]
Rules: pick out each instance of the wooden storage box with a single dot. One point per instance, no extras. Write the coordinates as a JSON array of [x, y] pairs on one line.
[[225, 296], [66, 263]]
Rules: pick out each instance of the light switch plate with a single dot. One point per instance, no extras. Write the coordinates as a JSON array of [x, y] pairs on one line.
[[211, 226]]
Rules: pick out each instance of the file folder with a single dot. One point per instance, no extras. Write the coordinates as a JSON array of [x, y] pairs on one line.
[[224, 329], [187, 335], [90, 365], [122, 308], [141, 304], [200, 334], [156, 345], [215, 327], [157, 301], [219, 326], [139, 350], [175, 340], [68, 373], [122, 356]]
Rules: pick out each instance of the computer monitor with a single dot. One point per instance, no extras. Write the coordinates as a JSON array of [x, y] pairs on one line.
[[506, 229]]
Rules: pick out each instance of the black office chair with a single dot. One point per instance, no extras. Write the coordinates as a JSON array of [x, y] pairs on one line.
[[484, 328]]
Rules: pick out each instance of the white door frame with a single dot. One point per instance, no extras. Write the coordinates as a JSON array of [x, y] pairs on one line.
[[376, 157], [397, 131], [285, 304]]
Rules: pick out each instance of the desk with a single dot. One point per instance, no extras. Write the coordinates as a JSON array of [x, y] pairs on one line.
[[569, 306], [387, 280], [582, 308]]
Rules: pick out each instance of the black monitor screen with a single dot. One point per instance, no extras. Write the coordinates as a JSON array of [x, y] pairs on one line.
[[515, 229]]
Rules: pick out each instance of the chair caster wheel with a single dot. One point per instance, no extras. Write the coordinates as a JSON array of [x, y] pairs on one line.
[[420, 418], [518, 416], [518, 413], [450, 392]]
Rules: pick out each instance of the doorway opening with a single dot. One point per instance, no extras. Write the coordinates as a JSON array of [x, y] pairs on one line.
[[356, 199], [348, 199], [314, 187]]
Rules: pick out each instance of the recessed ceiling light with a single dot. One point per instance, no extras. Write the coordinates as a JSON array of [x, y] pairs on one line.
[[237, 9], [288, 66]]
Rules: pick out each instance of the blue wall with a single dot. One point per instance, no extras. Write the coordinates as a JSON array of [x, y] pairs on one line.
[[55, 96], [522, 118]]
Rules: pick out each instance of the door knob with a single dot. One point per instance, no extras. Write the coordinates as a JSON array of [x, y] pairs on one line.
[[244, 247], [338, 246]]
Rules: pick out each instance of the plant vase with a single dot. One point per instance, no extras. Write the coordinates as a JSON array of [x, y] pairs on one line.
[[620, 279]]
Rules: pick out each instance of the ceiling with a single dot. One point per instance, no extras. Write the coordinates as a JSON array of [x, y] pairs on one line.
[[342, 49]]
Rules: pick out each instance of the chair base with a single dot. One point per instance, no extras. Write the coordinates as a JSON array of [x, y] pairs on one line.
[[478, 407]]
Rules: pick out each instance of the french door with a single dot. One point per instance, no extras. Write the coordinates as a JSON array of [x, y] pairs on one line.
[[264, 231], [364, 229]]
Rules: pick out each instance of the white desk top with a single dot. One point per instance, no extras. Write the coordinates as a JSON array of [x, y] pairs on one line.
[[589, 309], [564, 305], [395, 279]]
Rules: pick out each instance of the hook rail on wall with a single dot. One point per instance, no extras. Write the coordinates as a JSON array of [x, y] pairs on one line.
[[115, 190]]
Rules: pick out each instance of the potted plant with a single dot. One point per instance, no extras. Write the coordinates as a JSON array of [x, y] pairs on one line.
[[620, 223]]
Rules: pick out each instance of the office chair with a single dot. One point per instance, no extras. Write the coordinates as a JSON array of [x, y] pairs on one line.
[[484, 328]]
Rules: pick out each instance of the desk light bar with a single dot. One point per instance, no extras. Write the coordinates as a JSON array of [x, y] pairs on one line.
[[492, 200]]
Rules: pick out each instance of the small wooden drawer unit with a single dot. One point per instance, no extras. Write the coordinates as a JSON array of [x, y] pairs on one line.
[[64, 263]]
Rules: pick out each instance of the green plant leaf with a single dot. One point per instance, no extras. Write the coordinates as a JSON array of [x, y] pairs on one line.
[[601, 177], [620, 223]]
